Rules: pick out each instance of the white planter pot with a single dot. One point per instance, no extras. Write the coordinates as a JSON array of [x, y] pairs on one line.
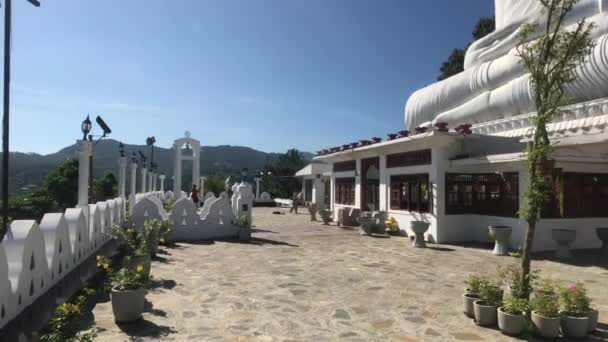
[[563, 238], [419, 228], [127, 306], [575, 327], [467, 300], [501, 236], [511, 324], [546, 327], [485, 315]]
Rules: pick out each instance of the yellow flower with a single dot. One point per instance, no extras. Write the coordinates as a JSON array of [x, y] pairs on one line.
[[130, 231], [98, 264], [139, 268], [106, 266], [161, 240], [98, 257]]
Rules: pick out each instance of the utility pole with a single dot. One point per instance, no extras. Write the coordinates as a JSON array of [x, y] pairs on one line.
[[6, 106]]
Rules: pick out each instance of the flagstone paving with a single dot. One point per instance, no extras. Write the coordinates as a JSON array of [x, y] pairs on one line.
[[302, 281]]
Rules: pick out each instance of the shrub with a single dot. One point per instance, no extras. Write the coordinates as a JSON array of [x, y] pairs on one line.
[[491, 293], [511, 276], [474, 283], [514, 305], [546, 299], [244, 221], [65, 324], [129, 279], [574, 301], [131, 242], [166, 228]]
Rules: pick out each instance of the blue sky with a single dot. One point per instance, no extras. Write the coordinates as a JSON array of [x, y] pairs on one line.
[[269, 74]]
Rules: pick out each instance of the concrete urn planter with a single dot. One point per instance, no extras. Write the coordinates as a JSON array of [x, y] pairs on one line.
[[501, 236], [546, 327], [325, 216], [128, 305], [485, 315], [511, 324], [563, 238], [467, 300], [575, 327], [593, 316], [244, 234], [143, 260], [313, 208], [602, 234], [419, 228]]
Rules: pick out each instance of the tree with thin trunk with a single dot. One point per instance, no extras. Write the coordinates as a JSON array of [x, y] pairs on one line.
[[551, 60]]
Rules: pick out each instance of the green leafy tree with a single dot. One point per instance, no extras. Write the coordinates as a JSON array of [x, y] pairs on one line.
[[32, 205], [455, 63], [551, 60], [281, 181], [106, 187], [62, 184], [214, 184]]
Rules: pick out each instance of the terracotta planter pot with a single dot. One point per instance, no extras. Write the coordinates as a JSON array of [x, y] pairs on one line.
[[485, 315], [593, 316], [127, 306], [419, 228], [575, 327], [511, 324], [546, 327], [467, 300]]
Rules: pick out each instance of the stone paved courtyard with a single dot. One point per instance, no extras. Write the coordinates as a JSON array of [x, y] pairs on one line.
[[302, 281]]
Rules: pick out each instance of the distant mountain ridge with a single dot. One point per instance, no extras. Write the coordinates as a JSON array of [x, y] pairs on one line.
[[29, 169]]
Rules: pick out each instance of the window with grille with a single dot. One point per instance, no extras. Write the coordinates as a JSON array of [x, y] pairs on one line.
[[495, 194], [345, 191], [410, 192], [584, 195]]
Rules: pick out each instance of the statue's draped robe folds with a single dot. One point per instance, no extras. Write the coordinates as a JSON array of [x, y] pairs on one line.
[[494, 84]]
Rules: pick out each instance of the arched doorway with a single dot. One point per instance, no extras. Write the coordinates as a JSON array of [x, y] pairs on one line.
[[189, 144]]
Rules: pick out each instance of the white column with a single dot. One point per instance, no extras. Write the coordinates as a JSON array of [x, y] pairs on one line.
[[155, 182], [358, 185], [85, 150], [162, 183], [177, 174], [133, 189], [122, 176], [150, 181], [202, 187], [384, 184], [144, 174], [257, 188], [196, 160]]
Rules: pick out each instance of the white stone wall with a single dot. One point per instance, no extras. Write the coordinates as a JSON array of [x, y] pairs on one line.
[[35, 257]]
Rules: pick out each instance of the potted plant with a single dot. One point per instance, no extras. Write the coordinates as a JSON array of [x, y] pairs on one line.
[[245, 229], [376, 140], [128, 293], [391, 136], [471, 293], [485, 309], [325, 216], [404, 133], [575, 310], [442, 126], [166, 229], [354, 144], [545, 310], [420, 130], [134, 247], [511, 319], [151, 234], [392, 226]]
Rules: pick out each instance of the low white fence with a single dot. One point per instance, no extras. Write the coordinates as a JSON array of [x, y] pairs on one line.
[[34, 257]]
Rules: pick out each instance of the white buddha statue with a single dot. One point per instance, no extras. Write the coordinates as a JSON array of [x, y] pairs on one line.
[[494, 84]]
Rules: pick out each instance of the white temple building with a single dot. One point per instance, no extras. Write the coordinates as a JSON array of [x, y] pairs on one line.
[[461, 168]]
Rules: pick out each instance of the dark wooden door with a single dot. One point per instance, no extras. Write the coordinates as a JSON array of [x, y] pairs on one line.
[[370, 184]]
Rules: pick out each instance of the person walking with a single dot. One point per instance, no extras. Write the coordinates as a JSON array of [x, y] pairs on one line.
[[194, 195], [294, 202]]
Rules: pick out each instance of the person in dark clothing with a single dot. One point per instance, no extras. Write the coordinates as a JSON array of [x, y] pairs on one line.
[[294, 202], [194, 195]]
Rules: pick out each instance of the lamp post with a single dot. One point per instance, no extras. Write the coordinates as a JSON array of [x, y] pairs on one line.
[[133, 185], [122, 170], [6, 109], [244, 174], [143, 171], [257, 179]]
